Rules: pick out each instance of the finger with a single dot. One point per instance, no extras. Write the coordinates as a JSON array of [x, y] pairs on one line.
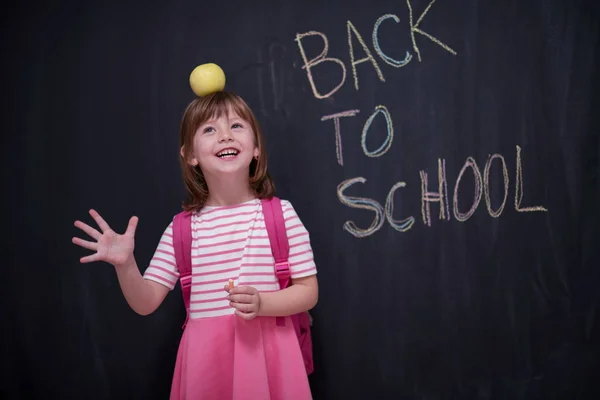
[[241, 298], [243, 307], [88, 229], [133, 221], [243, 290], [89, 259], [85, 244], [246, 316], [100, 221]]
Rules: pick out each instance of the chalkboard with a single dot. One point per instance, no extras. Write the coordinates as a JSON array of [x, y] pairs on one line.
[[443, 155]]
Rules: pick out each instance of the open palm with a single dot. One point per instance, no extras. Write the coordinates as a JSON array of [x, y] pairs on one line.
[[109, 246]]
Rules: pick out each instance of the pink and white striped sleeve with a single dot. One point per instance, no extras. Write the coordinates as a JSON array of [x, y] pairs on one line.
[[162, 267], [301, 257]]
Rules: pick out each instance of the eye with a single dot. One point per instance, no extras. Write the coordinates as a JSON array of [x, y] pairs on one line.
[[237, 126], [208, 129]]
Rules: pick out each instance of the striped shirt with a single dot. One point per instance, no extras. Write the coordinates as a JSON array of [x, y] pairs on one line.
[[231, 242]]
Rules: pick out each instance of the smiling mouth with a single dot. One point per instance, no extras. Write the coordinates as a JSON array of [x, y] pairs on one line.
[[228, 153]]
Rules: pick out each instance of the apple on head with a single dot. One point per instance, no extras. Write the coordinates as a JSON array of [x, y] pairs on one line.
[[206, 79]]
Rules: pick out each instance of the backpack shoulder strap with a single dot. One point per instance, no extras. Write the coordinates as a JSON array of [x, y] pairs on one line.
[[280, 248], [182, 244], [275, 224]]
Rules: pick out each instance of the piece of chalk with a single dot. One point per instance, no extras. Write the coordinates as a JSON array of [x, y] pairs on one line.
[[231, 284]]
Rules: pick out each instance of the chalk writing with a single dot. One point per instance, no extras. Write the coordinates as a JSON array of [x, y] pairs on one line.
[[470, 163], [369, 56], [381, 150], [402, 225], [414, 28], [441, 196], [381, 214], [321, 58], [274, 69], [338, 137], [519, 188], [277, 74], [389, 60], [360, 202], [309, 65], [486, 185], [259, 80], [481, 185]]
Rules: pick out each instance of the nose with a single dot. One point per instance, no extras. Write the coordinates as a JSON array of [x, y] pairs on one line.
[[225, 136]]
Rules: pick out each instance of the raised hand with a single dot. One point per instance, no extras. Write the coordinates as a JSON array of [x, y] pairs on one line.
[[109, 246]]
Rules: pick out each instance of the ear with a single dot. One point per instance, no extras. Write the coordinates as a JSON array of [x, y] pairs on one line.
[[193, 162], [256, 152]]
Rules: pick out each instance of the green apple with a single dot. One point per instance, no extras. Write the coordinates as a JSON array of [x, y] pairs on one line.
[[206, 79]]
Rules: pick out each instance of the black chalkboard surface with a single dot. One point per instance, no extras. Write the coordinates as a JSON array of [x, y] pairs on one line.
[[443, 155]]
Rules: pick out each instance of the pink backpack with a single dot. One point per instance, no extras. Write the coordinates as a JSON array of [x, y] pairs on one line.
[[273, 213]]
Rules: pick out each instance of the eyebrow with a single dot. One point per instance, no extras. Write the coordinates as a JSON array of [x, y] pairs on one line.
[[209, 122], [235, 118]]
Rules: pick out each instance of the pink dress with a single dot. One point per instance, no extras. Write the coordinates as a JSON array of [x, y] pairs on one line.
[[222, 356]]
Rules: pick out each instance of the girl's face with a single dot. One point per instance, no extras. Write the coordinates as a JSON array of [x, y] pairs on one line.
[[224, 145]]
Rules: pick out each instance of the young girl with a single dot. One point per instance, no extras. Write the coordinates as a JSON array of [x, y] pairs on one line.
[[231, 347]]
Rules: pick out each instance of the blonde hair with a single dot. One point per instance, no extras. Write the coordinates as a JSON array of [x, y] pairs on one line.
[[201, 110]]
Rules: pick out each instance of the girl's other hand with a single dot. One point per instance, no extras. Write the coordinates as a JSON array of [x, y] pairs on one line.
[[109, 246], [245, 300]]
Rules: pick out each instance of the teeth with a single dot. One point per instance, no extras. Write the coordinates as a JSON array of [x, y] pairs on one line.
[[227, 153]]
